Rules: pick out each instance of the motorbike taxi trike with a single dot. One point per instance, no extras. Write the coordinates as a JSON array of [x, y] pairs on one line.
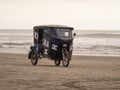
[[54, 42]]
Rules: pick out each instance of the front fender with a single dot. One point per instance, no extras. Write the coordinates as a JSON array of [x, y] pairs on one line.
[[29, 53]]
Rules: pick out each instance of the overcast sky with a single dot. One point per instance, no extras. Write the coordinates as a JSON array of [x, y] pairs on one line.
[[81, 14]]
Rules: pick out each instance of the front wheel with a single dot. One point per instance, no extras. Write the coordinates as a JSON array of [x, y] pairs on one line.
[[34, 58], [66, 59]]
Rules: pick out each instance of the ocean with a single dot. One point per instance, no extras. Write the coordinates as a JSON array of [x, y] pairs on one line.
[[91, 42]]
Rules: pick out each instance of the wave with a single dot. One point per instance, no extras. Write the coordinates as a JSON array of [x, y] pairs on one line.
[[97, 48], [14, 45], [98, 35]]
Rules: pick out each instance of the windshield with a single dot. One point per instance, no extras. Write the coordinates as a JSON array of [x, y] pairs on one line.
[[65, 33]]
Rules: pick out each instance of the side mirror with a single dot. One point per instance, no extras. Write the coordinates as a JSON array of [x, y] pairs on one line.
[[74, 34]]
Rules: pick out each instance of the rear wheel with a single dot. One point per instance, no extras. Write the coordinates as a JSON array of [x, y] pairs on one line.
[[57, 62], [66, 59], [34, 58]]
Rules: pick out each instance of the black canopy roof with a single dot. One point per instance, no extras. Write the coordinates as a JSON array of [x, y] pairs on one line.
[[52, 26]]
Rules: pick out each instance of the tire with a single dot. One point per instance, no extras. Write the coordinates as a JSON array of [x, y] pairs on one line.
[[66, 59], [57, 62], [34, 58]]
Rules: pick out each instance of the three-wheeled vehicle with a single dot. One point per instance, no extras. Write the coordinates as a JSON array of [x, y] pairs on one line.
[[52, 41]]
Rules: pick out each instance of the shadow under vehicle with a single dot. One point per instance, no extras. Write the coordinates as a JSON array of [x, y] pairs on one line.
[[52, 41]]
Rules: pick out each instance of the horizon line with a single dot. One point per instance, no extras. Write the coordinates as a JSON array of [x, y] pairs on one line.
[[74, 29]]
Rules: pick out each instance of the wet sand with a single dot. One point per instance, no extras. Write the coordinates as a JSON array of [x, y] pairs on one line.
[[84, 73]]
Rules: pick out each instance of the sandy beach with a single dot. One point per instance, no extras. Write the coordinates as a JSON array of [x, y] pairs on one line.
[[84, 73]]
